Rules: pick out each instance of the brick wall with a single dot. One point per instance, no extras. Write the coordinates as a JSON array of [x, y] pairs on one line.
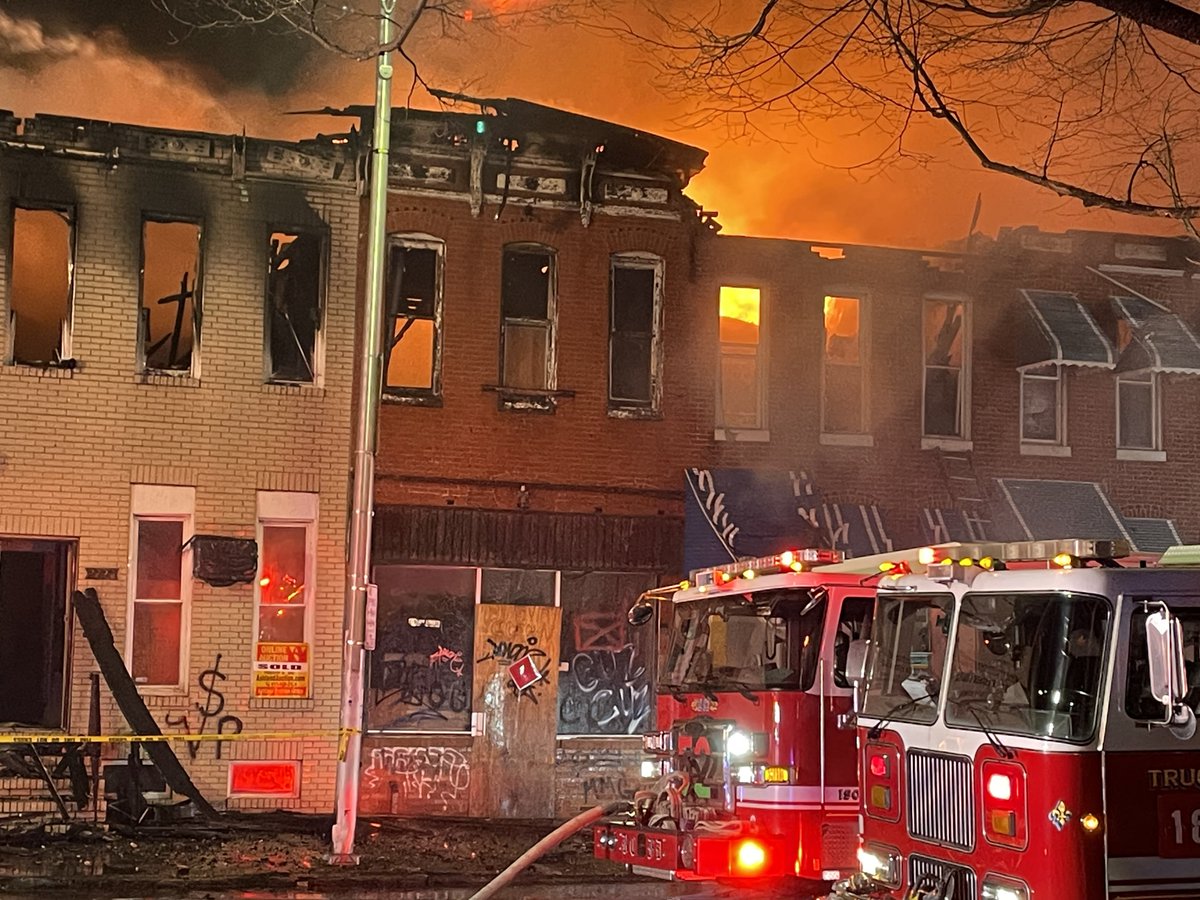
[[73, 442]]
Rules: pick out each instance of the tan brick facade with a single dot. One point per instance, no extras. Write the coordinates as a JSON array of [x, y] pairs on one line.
[[74, 442]]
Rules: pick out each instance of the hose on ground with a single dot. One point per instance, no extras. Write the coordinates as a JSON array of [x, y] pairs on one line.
[[549, 842]]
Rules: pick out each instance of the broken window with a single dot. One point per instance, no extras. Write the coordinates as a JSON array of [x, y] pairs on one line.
[[169, 316], [413, 318], [527, 318], [843, 401], [39, 299], [294, 278], [945, 353], [1042, 405], [633, 364], [158, 601], [1138, 411], [740, 404]]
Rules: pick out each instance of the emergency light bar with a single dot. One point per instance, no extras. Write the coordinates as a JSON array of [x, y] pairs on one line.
[[788, 561], [939, 561]]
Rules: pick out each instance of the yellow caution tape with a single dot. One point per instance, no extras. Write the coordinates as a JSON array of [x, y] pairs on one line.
[[342, 734]]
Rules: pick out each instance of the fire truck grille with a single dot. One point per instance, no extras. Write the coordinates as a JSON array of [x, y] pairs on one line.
[[941, 804], [963, 879]]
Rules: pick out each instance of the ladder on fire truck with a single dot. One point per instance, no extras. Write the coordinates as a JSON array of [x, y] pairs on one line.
[[966, 491]]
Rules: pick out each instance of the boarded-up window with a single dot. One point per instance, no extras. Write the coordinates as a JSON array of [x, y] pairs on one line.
[[41, 286], [741, 382], [843, 391], [169, 315], [412, 318], [422, 665], [293, 320], [633, 335], [158, 601], [606, 685], [527, 319]]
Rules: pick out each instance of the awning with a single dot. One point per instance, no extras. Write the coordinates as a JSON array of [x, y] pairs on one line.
[[857, 529], [941, 526], [1046, 510], [1160, 340], [1064, 333], [1153, 535]]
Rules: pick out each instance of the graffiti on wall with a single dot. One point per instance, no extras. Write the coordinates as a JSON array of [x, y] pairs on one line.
[[527, 680], [609, 692], [590, 777], [405, 779], [212, 709]]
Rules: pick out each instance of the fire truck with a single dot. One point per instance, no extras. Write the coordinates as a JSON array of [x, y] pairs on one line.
[[756, 759], [1027, 727]]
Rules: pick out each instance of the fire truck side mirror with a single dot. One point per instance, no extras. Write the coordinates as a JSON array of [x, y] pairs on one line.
[[1168, 672], [856, 662], [641, 612]]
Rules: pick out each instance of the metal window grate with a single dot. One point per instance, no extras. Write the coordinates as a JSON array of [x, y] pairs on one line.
[[941, 803], [962, 878]]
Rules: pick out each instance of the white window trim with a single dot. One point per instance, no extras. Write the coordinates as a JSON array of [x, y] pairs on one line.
[[1061, 400], [1140, 453], [550, 322], [66, 351], [656, 264], [318, 353], [197, 295], [964, 376], [762, 431], [419, 240], [171, 504], [296, 509], [847, 438]]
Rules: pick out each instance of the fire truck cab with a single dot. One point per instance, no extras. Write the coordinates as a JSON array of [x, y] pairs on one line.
[[1028, 729], [756, 757]]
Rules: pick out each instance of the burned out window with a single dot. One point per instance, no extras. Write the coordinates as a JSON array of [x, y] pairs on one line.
[[844, 389], [413, 318], [741, 401], [169, 316], [635, 310], [946, 348], [527, 318], [40, 290], [295, 263]]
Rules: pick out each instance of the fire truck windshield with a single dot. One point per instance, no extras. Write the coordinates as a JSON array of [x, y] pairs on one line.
[[908, 655], [744, 642], [1028, 664]]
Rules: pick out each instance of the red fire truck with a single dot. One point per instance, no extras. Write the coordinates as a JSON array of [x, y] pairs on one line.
[[757, 755], [1027, 727]]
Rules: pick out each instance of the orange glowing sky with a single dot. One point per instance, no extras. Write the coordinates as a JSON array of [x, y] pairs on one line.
[[787, 186]]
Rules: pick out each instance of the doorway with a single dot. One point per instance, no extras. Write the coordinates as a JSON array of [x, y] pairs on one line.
[[34, 587]]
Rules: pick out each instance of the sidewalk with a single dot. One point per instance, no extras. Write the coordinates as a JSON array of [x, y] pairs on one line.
[[282, 851]]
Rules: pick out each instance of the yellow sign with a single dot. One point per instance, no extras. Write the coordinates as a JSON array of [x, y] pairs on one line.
[[281, 670]]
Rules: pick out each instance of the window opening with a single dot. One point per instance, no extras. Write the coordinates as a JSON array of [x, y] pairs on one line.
[[1041, 405], [169, 314], [527, 310], [741, 400], [294, 276], [41, 286], [844, 389], [1137, 411], [412, 324], [633, 334], [945, 343], [158, 601]]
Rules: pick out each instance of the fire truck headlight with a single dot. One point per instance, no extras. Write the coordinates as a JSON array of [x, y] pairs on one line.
[[995, 889], [880, 864], [739, 744], [651, 768]]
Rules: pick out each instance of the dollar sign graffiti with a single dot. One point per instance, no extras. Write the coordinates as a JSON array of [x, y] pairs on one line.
[[208, 684]]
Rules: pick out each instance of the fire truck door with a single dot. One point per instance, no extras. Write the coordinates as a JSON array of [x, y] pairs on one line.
[[515, 699]]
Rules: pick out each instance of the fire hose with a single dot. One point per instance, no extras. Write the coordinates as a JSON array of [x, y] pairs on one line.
[[549, 842]]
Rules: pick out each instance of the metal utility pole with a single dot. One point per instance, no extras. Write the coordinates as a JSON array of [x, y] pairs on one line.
[[366, 410]]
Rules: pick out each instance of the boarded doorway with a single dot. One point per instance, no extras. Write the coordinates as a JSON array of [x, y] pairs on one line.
[[34, 586]]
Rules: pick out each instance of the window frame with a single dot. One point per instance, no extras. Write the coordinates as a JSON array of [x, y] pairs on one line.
[[287, 509], [964, 370], [640, 261], [1156, 430], [318, 354], [1060, 412], [162, 503], [417, 396], [864, 344], [193, 371], [66, 338], [725, 431], [550, 323]]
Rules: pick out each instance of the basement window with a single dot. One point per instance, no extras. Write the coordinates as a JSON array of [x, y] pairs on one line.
[[527, 308], [412, 328], [41, 286], [295, 262], [634, 343], [169, 311]]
